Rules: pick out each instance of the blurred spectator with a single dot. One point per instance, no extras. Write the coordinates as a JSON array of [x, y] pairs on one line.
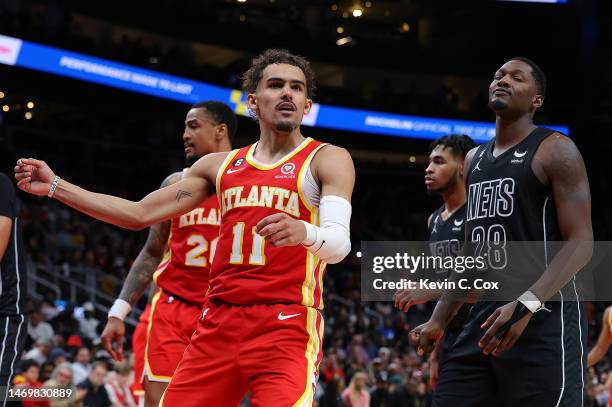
[[356, 395], [96, 396], [46, 369], [30, 372], [61, 378], [81, 368], [40, 351], [118, 385], [38, 328], [58, 356], [89, 325]]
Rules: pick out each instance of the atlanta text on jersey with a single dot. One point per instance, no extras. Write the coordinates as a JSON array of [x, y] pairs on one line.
[[262, 196]]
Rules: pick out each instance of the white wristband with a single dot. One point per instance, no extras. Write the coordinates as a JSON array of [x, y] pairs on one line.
[[120, 309], [53, 187], [529, 300], [311, 234]]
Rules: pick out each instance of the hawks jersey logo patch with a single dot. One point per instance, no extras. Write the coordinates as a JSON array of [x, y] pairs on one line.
[[287, 171]]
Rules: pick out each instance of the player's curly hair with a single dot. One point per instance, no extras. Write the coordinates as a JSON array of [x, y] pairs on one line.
[[459, 144], [251, 78]]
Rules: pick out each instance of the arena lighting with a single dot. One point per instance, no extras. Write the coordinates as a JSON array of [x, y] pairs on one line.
[[6, 108], [241, 1], [30, 105], [340, 30], [357, 12], [344, 40], [29, 55], [405, 27], [28, 115], [358, 254], [1, 95], [412, 159]]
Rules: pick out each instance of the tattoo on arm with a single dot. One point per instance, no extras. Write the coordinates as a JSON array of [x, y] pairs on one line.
[[568, 174], [182, 194], [141, 273]]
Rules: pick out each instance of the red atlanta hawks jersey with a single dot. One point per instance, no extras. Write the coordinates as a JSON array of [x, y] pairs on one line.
[[185, 268], [247, 269]]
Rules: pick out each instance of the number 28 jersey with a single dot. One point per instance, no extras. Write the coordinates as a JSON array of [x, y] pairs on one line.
[[247, 268], [185, 268]]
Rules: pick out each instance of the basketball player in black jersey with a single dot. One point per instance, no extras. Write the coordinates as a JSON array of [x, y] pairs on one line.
[[527, 184], [13, 320], [443, 176]]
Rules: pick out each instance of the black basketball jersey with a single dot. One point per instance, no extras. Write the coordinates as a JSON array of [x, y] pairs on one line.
[[12, 266], [446, 236], [507, 202]]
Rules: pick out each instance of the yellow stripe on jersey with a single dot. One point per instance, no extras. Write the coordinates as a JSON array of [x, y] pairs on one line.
[[261, 166], [221, 171], [312, 350], [148, 371], [166, 260]]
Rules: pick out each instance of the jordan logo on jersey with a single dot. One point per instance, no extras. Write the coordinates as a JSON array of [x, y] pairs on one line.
[[489, 199]]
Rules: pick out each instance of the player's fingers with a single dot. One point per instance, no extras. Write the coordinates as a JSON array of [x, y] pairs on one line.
[[399, 299], [414, 336], [491, 319], [22, 175], [425, 345], [280, 234], [267, 221], [107, 343], [24, 184], [491, 345], [407, 305], [31, 161], [119, 352], [486, 338]]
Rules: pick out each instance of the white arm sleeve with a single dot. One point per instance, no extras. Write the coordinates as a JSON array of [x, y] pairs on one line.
[[331, 241]]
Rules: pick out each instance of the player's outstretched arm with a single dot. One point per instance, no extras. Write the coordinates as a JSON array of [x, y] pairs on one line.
[[137, 281], [333, 169], [35, 177]]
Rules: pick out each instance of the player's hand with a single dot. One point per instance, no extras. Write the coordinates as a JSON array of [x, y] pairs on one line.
[[114, 331], [425, 336], [404, 299], [281, 229], [491, 341], [33, 176], [433, 372]]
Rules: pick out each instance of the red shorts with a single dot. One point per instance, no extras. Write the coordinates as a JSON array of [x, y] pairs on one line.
[[272, 350], [171, 325], [139, 342]]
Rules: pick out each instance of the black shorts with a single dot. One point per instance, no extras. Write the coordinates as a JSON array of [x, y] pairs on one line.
[[13, 330], [546, 367]]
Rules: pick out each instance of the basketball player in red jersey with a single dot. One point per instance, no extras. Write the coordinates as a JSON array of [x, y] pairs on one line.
[[285, 215], [182, 273], [603, 343]]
